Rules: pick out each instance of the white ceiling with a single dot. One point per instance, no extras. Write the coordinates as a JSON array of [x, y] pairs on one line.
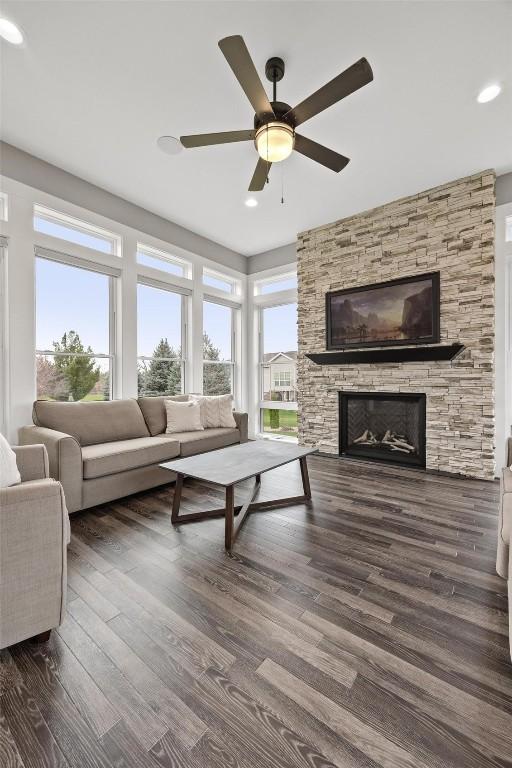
[[98, 82]]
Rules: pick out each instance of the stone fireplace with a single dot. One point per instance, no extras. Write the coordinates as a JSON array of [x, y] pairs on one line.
[[387, 427], [449, 229]]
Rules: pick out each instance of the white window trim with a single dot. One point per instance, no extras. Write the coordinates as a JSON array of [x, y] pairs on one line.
[[272, 300], [91, 266], [215, 274], [50, 215], [503, 334], [234, 361], [258, 284], [4, 206], [4, 340], [170, 258], [185, 294]]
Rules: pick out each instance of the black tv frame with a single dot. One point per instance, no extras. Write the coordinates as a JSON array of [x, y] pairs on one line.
[[433, 339]]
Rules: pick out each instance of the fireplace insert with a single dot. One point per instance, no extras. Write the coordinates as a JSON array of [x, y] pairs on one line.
[[384, 426]]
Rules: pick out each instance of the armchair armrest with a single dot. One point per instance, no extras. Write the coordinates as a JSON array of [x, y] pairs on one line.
[[65, 460], [32, 461], [242, 423], [34, 532]]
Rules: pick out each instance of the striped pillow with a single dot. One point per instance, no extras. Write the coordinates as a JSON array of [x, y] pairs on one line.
[[216, 410]]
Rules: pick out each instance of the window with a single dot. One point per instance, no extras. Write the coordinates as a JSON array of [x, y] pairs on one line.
[[218, 363], [282, 379], [4, 371], [272, 285], [4, 205], [221, 282], [278, 362], [160, 341], [508, 229], [165, 262], [75, 231], [74, 343]]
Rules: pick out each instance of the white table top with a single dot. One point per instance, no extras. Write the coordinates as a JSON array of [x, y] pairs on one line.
[[227, 466]]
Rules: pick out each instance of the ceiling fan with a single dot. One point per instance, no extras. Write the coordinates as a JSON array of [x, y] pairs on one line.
[[274, 133]]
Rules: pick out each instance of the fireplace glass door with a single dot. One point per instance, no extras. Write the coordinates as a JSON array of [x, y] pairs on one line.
[[383, 427]]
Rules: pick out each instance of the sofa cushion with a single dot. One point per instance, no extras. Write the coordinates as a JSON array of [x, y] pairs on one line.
[[94, 422], [109, 458], [153, 411], [208, 440]]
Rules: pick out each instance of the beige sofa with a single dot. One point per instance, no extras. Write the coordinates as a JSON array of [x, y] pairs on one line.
[[102, 451], [504, 555], [34, 533]]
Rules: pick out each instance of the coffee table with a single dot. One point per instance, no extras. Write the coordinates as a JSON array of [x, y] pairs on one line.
[[228, 466]]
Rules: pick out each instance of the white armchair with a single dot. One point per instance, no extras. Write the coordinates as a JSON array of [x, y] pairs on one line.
[[34, 533]]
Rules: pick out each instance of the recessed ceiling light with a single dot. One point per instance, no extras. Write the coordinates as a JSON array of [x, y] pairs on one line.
[[170, 145], [10, 32], [251, 202], [489, 93]]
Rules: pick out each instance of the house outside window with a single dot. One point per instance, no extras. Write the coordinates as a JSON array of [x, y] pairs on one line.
[[279, 376]]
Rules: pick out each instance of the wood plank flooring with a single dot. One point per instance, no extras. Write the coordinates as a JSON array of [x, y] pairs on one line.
[[365, 629]]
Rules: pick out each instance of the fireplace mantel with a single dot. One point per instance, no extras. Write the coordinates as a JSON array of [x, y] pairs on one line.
[[388, 355]]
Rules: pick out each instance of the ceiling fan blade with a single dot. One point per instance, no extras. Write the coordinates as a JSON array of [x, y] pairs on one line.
[[347, 82], [239, 59], [207, 139], [320, 154], [259, 176]]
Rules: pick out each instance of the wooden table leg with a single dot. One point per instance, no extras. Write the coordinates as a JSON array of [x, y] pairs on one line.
[[230, 516], [305, 476], [176, 498]]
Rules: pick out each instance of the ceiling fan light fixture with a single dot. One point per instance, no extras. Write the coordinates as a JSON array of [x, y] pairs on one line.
[[274, 141]]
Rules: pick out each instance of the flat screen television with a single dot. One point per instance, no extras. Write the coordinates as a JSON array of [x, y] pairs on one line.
[[404, 311]]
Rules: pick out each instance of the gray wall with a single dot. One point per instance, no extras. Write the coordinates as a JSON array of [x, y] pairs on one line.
[[37, 173], [277, 257], [30, 170]]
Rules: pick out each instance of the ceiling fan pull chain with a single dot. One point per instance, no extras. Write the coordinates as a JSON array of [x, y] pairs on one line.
[[282, 185]]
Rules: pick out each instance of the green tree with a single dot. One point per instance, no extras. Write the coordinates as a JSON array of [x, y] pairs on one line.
[[274, 418], [162, 376], [216, 378], [80, 372]]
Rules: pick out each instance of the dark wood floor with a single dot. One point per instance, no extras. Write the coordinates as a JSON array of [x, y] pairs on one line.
[[368, 629]]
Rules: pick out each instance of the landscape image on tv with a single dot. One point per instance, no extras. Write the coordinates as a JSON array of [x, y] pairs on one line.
[[402, 311]]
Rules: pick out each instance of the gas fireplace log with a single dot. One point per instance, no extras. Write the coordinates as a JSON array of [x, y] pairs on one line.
[[362, 438], [404, 446]]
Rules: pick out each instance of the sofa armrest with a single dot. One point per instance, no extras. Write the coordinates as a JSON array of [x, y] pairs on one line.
[[34, 533], [32, 461], [242, 424], [65, 460]]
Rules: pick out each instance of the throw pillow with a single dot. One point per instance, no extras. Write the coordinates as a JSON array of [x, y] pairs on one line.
[[9, 474], [216, 410], [183, 417]]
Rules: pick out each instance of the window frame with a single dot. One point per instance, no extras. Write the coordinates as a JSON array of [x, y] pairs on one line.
[[4, 206], [279, 382], [223, 277], [232, 362], [281, 405], [277, 278], [185, 297], [165, 256], [112, 274], [4, 347], [78, 225]]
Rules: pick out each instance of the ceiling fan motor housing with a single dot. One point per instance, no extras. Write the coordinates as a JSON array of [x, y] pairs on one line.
[[280, 110]]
